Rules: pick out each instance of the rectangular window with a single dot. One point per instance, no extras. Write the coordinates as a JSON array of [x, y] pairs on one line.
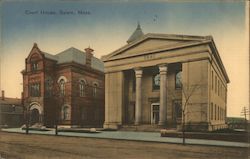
[[211, 111], [218, 118], [215, 114], [35, 90], [218, 87], [212, 80], [215, 84], [177, 109]]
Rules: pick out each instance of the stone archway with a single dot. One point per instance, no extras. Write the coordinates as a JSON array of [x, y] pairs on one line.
[[35, 113]]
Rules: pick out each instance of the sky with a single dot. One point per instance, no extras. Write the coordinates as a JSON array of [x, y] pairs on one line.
[[106, 26]]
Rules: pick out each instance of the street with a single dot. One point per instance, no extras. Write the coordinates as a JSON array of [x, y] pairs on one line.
[[14, 145]]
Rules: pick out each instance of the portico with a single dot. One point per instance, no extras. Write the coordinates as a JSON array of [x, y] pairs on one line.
[[163, 95]]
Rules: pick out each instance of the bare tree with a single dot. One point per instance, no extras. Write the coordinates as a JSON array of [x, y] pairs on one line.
[[187, 92]]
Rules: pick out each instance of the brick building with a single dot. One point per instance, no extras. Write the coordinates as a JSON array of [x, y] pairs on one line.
[[67, 87]]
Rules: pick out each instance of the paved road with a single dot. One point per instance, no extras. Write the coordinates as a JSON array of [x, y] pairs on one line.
[[16, 145], [138, 136]]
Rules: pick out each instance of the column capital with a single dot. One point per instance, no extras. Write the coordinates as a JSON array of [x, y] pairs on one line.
[[163, 68], [138, 72]]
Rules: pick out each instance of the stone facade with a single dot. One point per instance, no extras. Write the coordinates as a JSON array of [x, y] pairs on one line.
[[67, 88], [160, 79]]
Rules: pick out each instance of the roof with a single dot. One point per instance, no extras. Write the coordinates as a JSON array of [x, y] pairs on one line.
[[71, 55], [75, 55], [136, 34], [189, 40], [10, 101]]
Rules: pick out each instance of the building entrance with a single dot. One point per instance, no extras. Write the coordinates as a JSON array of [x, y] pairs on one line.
[[155, 113], [34, 118]]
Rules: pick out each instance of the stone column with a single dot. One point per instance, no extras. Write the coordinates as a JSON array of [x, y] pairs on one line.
[[138, 102], [163, 94]]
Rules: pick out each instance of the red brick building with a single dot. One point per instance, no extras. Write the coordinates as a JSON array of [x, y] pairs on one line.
[[67, 87]]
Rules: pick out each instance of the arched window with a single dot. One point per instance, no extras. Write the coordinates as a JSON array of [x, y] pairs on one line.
[[62, 87], [34, 61], [178, 83], [82, 88], [34, 66], [65, 113], [95, 89], [156, 82]]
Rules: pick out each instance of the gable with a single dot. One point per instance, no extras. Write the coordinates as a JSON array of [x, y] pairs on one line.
[[150, 44], [35, 54]]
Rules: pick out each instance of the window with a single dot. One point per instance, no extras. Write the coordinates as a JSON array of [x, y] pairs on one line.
[[48, 87], [211, 111], [218, 87], [215, 84], [177, 109], [178, 83], [95, 90], [82, 85], [62, 87], [212, 80], [218, 118], [35, 90], [215, 114], [65, 113], [34, 66], [156, 82]]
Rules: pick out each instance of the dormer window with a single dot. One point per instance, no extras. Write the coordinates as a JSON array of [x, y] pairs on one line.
[[34, 66]]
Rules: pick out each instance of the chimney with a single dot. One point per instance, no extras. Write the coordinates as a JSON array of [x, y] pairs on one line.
[[89, 55], [3, 95]]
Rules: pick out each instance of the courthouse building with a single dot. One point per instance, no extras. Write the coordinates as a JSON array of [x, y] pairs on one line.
[[67, 88], [151, 79]]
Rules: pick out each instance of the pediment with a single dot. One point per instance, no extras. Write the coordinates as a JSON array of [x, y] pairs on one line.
[[150, 44]]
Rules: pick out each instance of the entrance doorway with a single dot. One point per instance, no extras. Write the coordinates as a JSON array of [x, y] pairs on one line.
[[155, 113], [34, 116]]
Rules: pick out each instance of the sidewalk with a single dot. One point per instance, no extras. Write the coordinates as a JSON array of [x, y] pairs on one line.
[[136, 136]]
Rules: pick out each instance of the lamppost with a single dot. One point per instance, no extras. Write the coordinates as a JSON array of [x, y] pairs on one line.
[[27, 118]]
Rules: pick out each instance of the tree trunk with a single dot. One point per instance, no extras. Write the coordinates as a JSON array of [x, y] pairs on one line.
[[183, 129]]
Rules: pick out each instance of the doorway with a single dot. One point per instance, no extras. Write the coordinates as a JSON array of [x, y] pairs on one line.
[[34, 116], [155, 113]]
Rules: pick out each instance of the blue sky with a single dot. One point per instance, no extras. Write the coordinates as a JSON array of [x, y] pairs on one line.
[[109, 25]]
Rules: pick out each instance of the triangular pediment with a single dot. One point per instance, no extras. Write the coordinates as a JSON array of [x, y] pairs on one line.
[[153, 43]]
